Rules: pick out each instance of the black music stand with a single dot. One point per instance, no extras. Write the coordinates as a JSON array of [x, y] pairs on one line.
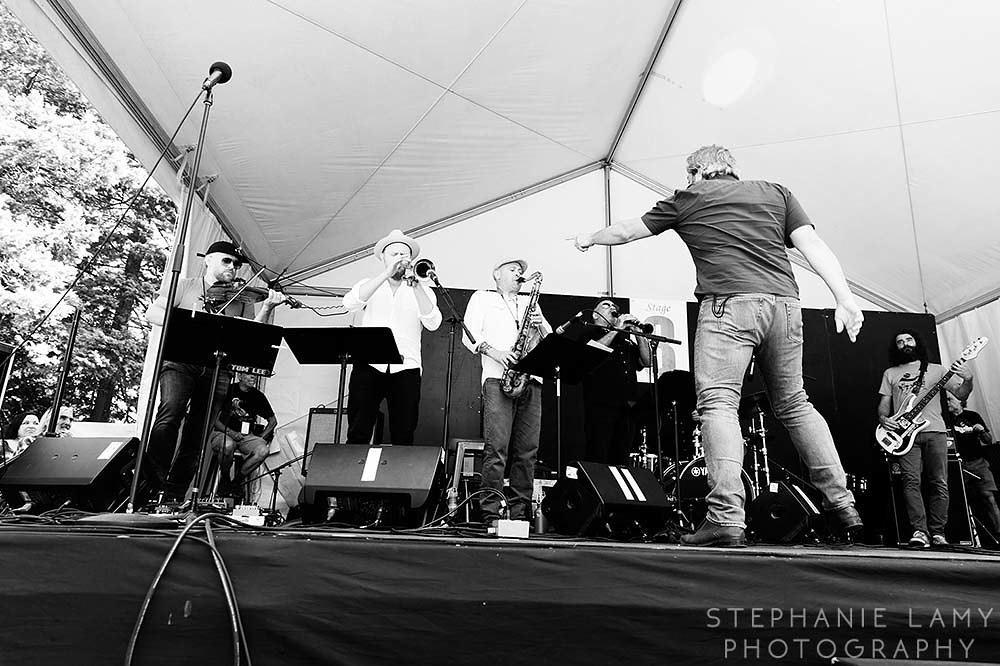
[[558, 357], [211, 341], [346, 346]]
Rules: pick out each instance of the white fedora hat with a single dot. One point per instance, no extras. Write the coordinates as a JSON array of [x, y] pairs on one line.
[[397, 236]]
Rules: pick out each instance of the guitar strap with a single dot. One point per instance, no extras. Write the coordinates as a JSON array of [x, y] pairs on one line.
[[920, 379]]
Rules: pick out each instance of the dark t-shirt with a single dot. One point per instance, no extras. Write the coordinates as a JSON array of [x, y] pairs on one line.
[[244, 407], [737, 232], [966, 439], [614, 381]]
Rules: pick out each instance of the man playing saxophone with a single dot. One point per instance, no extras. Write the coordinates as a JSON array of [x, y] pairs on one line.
[[506, 326]]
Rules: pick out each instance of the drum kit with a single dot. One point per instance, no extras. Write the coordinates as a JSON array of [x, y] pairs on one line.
[[685, 481]]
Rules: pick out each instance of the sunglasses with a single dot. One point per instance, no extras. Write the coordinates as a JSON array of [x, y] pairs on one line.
[[229, 261]]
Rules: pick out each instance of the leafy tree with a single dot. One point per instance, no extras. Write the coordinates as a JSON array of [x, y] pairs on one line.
[[65, 179]]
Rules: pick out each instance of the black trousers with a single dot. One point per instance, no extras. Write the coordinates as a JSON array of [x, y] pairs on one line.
[[610, 431], [368, 387]]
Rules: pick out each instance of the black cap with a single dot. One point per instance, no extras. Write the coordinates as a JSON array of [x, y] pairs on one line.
[[225, 247]]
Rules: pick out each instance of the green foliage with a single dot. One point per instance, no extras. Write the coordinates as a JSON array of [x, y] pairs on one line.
[[65, 178]]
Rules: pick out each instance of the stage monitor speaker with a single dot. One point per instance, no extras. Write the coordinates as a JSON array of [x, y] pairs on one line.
[[782, 513], [355, 470], [92, 473], [322, 426], [606, 500]]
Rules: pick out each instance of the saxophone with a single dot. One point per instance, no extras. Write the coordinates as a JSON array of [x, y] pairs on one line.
[[513, 383]]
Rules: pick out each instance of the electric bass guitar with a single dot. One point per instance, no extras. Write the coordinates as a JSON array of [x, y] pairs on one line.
[[898, 441]]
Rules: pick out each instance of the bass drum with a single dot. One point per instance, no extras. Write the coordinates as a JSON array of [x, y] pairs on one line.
[[693, 488]]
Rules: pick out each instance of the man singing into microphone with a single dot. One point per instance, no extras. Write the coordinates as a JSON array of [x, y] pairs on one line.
[[737, 232], [396, 298], [611, 390]]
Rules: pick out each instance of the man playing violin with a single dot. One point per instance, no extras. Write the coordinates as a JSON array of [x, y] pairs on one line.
[[395, 298], [184, 387]]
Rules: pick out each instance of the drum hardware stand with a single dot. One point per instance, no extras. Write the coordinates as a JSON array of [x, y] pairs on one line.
[[761, 468], [453, 320]]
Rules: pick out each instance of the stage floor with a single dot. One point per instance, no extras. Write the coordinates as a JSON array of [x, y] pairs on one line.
[[71, 594]]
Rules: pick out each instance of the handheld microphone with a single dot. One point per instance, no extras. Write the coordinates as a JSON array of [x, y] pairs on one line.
[[562, 328], [642, 326], [219, 72]]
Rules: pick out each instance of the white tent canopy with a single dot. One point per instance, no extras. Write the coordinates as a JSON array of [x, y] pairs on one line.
[[346, 120]]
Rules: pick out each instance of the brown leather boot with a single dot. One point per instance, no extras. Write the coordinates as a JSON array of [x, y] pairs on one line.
[[849, 521], [716, 536]]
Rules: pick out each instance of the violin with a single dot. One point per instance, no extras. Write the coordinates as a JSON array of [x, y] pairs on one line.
[[220, 293]]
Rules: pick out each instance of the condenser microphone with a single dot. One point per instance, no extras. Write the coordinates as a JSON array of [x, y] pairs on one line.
[[219, 72]]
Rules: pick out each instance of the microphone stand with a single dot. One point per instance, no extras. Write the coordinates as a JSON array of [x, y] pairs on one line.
[[49, 429], [180, 237], [454, 319]]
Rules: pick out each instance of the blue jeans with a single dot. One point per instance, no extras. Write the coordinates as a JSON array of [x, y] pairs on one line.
[[730, 330], [929, 454], [184, 394], [511, 427]]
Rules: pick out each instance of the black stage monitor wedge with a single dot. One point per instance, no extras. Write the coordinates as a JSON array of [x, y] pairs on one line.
[[606, 500], [92, 473], [377, 471], [782, 513]]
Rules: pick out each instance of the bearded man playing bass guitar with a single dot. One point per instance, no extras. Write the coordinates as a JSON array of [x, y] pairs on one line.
[[911, 374]]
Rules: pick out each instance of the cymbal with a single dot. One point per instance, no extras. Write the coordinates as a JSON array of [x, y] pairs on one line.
[[750, 403]]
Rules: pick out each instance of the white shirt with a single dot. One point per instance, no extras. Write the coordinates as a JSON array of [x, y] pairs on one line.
[[495, 320], [398, 311]]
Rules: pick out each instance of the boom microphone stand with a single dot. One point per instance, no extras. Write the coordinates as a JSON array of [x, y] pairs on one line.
[[219, 72], [424, 268]]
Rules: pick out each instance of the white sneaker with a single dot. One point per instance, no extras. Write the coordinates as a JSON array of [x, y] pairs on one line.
[[919, 540], [938, 541]]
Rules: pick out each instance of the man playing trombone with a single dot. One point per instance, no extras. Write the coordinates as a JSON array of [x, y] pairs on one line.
[[398, 299]]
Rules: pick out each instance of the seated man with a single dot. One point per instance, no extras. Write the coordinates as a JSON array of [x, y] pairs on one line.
[[236, 430], [972, 438]]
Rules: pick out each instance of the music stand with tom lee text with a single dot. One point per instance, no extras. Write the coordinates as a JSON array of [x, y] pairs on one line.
[[216, 341], [343, 345]]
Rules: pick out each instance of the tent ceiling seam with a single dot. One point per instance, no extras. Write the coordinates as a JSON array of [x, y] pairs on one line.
[[643, 80], [969, 305], [827, 135], [906, 164], [442, 223], [445, 90]]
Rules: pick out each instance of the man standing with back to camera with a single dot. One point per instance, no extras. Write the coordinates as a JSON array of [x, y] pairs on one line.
[[737, 232]]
